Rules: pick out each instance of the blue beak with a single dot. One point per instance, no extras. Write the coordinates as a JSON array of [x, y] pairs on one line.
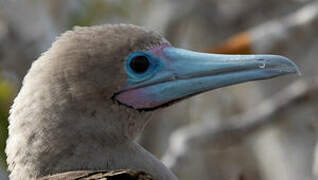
[[181, 73]]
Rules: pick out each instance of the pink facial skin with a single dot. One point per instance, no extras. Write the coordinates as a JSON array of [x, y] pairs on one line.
[[158, 51], [138, 99]]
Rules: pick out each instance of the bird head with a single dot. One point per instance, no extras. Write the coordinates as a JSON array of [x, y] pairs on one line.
[[97, 86], [128, 71]]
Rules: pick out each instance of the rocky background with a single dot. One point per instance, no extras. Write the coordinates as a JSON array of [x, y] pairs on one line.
[[254, 131]]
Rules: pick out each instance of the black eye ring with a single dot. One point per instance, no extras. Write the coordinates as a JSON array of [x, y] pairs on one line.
[[139, 64]]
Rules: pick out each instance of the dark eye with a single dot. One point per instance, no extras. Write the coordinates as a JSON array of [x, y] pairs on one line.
[[139, 64]]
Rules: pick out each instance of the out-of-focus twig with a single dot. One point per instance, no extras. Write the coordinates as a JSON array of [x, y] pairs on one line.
[[274, 35], [203, 136]]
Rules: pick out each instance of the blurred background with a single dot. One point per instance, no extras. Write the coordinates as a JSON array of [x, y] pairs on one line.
[[265, 130]]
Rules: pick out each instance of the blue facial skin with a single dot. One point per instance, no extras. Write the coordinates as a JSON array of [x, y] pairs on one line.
[[154, 66], [177, 73]]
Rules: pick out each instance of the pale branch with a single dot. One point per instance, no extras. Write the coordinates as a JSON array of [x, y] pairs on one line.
[[278, 35], [204, 136]]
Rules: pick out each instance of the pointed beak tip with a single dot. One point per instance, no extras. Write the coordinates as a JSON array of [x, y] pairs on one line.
[[289, 66], [280, 63], [297, 71]]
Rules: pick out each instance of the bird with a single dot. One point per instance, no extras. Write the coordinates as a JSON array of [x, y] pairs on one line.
[[85, 100]]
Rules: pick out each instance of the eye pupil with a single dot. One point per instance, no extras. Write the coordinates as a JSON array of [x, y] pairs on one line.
[[139, 64]]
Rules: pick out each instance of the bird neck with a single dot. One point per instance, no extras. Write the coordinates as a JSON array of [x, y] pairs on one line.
[[129, 155], [52, 132]]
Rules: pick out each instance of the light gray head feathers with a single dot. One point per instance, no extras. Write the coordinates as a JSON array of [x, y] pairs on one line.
[[65, 107]]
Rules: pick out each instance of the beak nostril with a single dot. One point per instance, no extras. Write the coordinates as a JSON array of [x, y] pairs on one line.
[[263, 65]]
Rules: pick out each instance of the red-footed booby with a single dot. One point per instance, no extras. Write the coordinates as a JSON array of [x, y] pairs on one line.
[[85, 100]]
